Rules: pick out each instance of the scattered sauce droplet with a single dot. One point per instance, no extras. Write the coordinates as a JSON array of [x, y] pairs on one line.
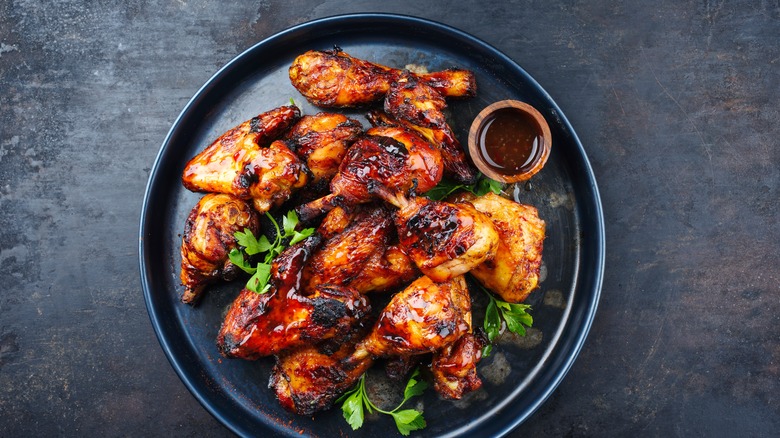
[[509, 141]]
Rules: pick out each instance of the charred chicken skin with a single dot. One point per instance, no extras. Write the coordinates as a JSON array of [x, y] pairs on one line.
[[392, 156], [310, 379], [208, 239], [514, 272], [322, 141], [423, 318], [259, 325], [333, 78], [418, 106], [242, 163]]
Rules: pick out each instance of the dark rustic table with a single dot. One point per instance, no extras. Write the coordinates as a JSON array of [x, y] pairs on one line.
[[676, 103]]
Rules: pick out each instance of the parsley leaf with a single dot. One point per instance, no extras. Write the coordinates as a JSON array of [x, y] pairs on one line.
[[446, 187], [261, 274], [500, 313], [356, 401]]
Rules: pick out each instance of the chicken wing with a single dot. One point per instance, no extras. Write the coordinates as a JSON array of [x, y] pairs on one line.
[[322, 140], [241, 163], [332, 78], [423, 318], [392, 156], [419, 106], [310, 379], [514, 272], [454, 367], [208, 239], [259, 325]]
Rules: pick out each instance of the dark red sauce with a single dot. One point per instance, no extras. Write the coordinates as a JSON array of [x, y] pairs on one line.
[[509, 141]]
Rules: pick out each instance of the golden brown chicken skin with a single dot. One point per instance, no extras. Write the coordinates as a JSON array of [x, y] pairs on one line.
[[385, 271], [391, 156], [420, 107], [514, 272], [322, 140], [310, 379], [208, 239], [333, 78], [259, 325], [242, 163], [454, 368], [423, 318]]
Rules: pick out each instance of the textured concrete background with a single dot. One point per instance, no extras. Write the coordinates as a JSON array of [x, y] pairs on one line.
[[676, 103]]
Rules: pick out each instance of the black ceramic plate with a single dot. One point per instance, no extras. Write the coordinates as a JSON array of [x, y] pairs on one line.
[[519, 375]]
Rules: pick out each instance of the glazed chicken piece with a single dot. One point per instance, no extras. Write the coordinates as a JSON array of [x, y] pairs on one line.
[[358, 255], [332, 78], [322, 140], [454, 367], [443, 239], [423, 318], [419, 106], [259, 325], [392, 156], [208, 239], [310, 379], [514, 272], [243, 164]]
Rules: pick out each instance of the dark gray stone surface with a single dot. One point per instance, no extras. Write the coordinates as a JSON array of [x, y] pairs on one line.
[[675, 102]]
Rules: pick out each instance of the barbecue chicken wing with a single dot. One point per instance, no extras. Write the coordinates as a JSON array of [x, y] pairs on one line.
[[419, 106], [358, 255], [259, 325], [322, 140], [208, 239], [514, 272], [392, 156], [454, 367], [443, 239], [332, 78], [423, 318], [241, 162], [310, 379]]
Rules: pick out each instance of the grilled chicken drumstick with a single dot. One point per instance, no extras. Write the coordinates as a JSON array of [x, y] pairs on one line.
[[393, 156], [242, 163], [259, 325], [418, 106], [514, 272], [454, 367], [208, 239], [332, 78]]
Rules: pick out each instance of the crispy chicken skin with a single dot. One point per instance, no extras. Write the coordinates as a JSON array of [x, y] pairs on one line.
[[333, 78], [310, 379], [322, 141], [423, 318], [242, 163], [385, 271], [514, 272], [391, 156], [444, 240], [208, 239], [259, 325], [419, 106], [454, 367]]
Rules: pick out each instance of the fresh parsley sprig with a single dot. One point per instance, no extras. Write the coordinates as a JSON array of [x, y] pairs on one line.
[[261, 273], [481, 187], [498, 313], [407, 420]]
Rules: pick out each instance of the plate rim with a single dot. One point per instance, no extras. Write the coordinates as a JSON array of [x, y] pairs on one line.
[[598, 251]]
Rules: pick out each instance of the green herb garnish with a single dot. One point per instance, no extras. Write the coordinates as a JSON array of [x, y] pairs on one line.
[[480, 188], [498, 313], [261, 272], [407, 420]]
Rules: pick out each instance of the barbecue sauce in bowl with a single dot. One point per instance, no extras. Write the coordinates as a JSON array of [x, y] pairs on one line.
[[509, 141]]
